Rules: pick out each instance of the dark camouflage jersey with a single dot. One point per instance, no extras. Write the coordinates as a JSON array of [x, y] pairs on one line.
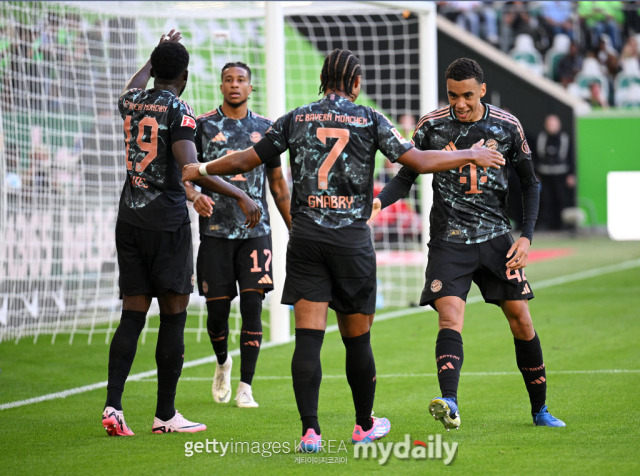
[[216, 136], [332, 144], [469, 205], [153, 196]]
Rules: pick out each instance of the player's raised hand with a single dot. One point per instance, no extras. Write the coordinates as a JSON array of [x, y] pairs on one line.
[[484, 157], [173, 35], [190, 173], [250, 209], [377, 208]]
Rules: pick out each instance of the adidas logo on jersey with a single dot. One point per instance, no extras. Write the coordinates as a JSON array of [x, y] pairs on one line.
[[265, 280], [220, 137]]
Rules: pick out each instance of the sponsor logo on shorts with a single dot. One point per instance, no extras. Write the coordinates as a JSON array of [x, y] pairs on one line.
[[436, 286], [205, 286], [193, 279]]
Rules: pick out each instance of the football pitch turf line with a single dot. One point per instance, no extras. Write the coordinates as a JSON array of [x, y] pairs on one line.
[[414, 375], [592, 273]]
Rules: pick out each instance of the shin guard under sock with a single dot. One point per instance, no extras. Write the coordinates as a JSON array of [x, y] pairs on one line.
[[449, 358], [169, 358], [306, 373], [250, 334], [218, 326], [361, 375], [531, 365], [121, 354]]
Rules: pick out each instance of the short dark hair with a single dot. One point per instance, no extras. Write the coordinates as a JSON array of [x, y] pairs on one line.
[[235, 64], [169, 60], [464, 68], [339, 72]]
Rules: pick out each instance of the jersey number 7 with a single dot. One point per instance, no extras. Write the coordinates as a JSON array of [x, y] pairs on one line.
[[343, 138]]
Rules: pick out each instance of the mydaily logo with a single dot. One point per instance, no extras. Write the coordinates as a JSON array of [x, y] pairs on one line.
[[433, 448]]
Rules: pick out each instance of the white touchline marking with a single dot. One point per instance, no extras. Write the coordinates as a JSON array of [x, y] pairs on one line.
[[415, 375], [592, 273]]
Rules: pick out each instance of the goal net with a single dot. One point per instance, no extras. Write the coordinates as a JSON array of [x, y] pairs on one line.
[[62, 66]]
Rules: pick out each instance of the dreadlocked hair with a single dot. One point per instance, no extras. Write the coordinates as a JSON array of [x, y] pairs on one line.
[[464, 68], [339, 72]]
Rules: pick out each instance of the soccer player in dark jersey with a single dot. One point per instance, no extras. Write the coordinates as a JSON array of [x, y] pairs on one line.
[[330, 257], [470, 235], [153, 232], [230, 253]]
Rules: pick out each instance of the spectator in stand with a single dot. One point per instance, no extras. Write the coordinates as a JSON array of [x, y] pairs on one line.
[[598, 18], [554, 166], [631, 18], [557, 17], [515, 20], [609, 61], [597, 99], [477, 17], [569, 65], [630, 49]]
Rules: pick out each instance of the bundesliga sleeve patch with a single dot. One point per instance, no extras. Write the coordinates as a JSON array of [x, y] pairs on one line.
[[398, 135], [188, 121]]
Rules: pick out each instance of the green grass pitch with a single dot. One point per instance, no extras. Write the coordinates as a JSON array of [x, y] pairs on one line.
[[586, 311]]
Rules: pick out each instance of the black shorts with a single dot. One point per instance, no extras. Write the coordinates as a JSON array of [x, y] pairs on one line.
[[452, 267], [154, 262], [323, 272], [222, 262]]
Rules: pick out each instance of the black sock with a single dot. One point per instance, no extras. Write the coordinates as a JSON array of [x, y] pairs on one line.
[[250, 334], [361, 375], [218, 326], [531, 365], [306, 373], [121, 354], [449, 358], [169, 359]]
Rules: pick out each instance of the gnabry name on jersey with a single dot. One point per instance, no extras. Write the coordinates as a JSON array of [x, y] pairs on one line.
[[327, 201]]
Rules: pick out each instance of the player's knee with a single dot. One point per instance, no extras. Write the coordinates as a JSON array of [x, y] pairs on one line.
[[251, 310], [219, 309]]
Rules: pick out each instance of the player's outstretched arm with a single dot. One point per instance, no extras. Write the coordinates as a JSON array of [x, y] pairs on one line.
[[280, 193], [397, 189], [140, 79], [430, 161], [185, 153], [234, 163]]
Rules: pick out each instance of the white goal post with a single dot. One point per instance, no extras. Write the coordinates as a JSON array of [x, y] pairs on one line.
[[62, 65]]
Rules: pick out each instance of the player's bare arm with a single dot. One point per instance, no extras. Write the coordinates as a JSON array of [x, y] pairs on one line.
[[203, 204], [234, 163], [430, 161], [185, 153], [519, 253], [140, 79], [280, 193]]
